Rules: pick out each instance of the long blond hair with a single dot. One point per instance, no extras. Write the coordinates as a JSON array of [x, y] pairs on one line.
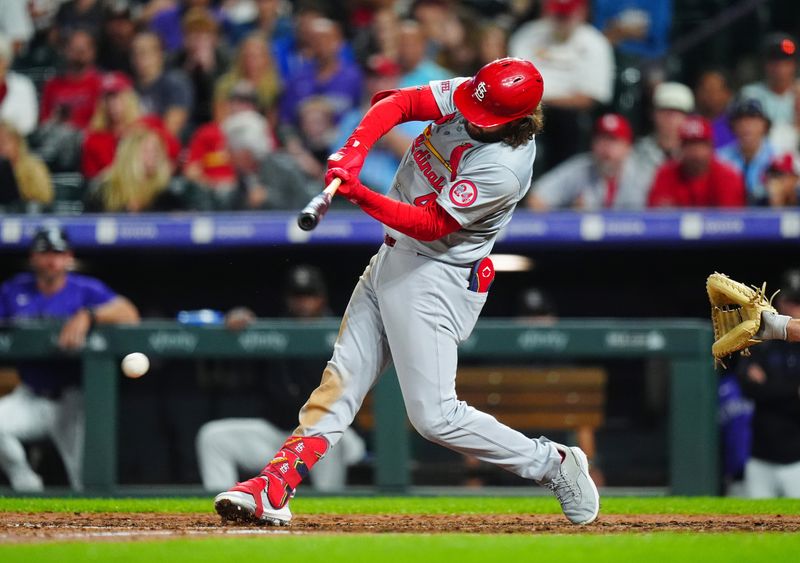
[[33, 177], [261, 40], [126, 181], [130, 113], [268, 86]]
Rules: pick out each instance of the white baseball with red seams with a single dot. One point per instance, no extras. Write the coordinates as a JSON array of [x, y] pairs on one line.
[[135, 365], [412, 304]]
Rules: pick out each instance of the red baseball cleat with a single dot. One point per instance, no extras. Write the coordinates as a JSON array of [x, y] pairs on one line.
[[249, 503]]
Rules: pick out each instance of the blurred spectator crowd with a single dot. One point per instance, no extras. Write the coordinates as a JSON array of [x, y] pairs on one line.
[[160, 105]]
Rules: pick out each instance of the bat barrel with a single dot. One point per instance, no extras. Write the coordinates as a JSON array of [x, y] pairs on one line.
[[309, 217], [307, 220]]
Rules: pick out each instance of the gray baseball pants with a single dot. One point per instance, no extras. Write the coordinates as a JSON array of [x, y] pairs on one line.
[[415, 311]]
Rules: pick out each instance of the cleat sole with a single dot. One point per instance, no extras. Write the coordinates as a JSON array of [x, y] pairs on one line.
[[233, 513]]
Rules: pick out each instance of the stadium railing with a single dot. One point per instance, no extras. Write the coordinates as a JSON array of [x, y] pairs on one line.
[[279, 228], [685, 344]]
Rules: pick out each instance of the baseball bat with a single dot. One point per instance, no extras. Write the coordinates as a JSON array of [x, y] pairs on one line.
[[310, 216]]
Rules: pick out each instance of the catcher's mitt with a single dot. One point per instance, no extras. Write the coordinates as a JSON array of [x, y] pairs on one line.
[[736, 313]]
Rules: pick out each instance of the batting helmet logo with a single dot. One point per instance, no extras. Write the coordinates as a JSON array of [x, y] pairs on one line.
[[463, 193], [480, 91]]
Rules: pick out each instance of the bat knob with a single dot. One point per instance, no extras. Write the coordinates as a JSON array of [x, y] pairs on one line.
[[307, 221]]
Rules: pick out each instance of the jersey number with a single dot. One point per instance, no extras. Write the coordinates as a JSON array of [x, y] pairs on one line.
[[426, 200]]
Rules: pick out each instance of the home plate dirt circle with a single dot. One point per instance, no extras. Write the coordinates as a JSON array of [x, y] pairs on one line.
[[48, 526]]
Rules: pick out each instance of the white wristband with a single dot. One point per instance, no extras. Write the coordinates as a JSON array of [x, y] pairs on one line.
[[773, 326]]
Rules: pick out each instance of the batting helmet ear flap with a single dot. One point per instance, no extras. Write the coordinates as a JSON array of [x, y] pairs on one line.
[[381, 95]]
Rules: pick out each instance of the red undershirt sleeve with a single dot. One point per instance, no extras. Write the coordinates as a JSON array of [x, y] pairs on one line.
[[392, 107], [427, 223]]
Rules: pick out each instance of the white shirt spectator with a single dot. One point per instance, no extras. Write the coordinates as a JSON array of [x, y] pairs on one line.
[[668, 98], [583, 64], [15, 20], [20, 106], [577, 182], [778, 107], [649, 156]]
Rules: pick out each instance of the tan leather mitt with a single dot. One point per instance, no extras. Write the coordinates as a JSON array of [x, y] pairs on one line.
[[736, 314]]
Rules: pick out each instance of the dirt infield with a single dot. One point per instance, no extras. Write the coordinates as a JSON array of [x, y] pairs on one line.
[[35, 527]]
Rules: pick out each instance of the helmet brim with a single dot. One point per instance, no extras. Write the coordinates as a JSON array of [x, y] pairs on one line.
[[473, 111]]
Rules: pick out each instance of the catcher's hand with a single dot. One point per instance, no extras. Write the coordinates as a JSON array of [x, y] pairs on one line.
[[736, 314]]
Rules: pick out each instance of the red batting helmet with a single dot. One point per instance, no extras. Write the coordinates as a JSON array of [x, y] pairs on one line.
[[501, 91]]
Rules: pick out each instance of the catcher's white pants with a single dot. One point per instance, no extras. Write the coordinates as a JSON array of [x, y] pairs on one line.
[[225, 446], [763, 479], [25, 416], [414, 311]]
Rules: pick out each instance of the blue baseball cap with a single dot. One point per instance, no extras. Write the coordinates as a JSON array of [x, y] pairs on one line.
[[748, 107]]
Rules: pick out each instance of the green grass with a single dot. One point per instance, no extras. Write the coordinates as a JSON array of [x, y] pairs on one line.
[[652, 548], [418, 505], [420, 548]]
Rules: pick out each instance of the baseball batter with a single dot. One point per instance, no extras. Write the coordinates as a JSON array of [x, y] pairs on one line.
[[421, 294]]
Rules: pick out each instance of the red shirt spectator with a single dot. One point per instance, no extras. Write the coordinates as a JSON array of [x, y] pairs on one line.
[[72, 96], [697, 178], [100, 147], [209, 161], [116, 112], [98, 151]]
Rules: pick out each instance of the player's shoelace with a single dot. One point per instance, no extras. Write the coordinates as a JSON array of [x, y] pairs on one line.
[[564, 489]]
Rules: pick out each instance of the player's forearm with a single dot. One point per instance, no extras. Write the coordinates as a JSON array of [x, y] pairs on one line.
[[118, 311], [398, 106], [793, 330], [427, 223]]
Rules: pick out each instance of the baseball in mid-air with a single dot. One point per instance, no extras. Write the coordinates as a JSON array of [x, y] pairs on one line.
[[135, 364]]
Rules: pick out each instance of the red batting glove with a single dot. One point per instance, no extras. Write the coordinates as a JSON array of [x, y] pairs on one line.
[[350, 158], [350, 187]]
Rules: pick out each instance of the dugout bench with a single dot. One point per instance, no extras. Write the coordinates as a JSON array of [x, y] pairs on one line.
[[686, 344]]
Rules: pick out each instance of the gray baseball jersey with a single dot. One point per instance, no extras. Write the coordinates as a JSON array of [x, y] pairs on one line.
[[479, 184]]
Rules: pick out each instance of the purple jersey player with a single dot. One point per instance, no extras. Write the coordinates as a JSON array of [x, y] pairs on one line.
[[48, 400]]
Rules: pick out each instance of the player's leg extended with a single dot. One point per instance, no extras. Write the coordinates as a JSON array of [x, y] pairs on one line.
[[23, 416], [427, 311], [360, 355]]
